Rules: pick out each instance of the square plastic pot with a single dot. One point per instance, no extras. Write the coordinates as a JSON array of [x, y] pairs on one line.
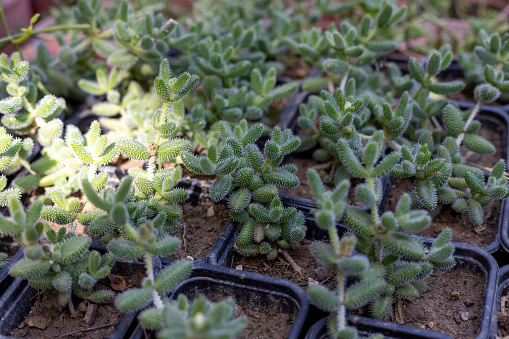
[[18, 300], [198, 192], [5, 279], [248, 289], [467, 256], [313, 233]]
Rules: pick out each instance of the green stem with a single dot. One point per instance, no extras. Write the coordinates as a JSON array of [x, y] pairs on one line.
[[151, 168], [378, 251], [374, 207], [341, 296], [47, 30], [334, 239], [471, 117], [374, 214], [4, 21], [158, 302], [342, 85], [27, 166]]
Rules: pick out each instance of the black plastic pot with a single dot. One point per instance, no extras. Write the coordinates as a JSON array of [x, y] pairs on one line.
[[467, 256], [5, 279], [248, 289], [367, 327], [198, 193], [19, 298]]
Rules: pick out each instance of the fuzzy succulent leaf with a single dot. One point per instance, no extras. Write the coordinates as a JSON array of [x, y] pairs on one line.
[[363, 292], [323, 298], [478, 144], [170, 277], [134, 299], [133, 149], [221, 187]]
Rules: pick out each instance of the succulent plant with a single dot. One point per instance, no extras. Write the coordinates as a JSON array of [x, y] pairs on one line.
[[67, 161], [24, 113], [338, 256], [250, 179], [482, 193], [62, 263], [350, 49], [403, 261], [143, 240], [196, 320]]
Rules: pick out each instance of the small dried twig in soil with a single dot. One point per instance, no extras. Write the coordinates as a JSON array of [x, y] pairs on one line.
[[292, 262], [398, 312], [184, 242], [323, 166], [488, 169], [86, 330]]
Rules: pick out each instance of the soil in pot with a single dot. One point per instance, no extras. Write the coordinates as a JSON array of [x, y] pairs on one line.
[[452, 304], [304, 190], [9, 246], [265, 322], [297, 69], [462, 228], [493, 133], [48, 319], [312, 271], [201, 226], [264, 319]]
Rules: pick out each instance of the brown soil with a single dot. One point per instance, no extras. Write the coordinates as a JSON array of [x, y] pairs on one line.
[[48, 319], [304, 190], [492, 133], [126, 164], [462, 228], [265, 322], [201, 229], [9, 246], [312, 270], [450, 293], [264, 319], [47, 314], [297, 70]]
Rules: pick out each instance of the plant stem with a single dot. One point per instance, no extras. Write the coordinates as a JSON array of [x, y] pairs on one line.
[[4, 21], [47, 30], [374, 214], [27, 166], [374, 208], [151, 168], [342, 85], [341, 296], [158, 303], [334, 239], [471, 117]]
